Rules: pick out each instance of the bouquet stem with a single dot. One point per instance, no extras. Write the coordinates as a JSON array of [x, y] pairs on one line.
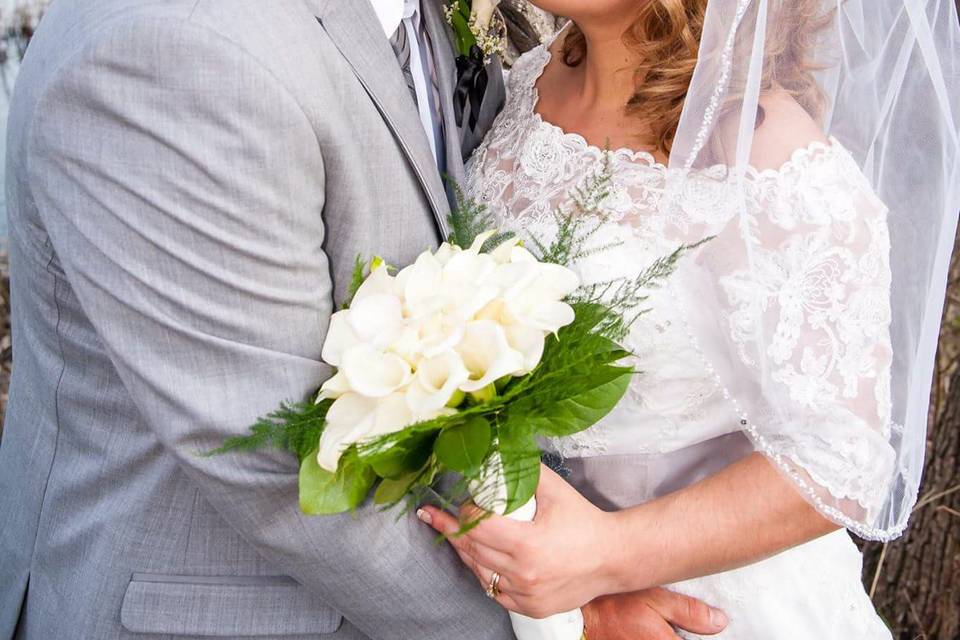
[[562, 626]]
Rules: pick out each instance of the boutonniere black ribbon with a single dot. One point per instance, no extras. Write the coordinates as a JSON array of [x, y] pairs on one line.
[[471, 85]]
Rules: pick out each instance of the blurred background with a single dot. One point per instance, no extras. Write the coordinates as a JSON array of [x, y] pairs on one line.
[[914, 581]]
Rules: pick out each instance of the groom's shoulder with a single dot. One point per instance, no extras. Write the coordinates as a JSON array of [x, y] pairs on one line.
[[251, 25]]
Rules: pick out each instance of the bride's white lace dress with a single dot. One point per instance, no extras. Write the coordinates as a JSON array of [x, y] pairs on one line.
[[677, 424]]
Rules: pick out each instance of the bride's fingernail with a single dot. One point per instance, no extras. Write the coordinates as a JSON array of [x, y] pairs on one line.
[[424, 516], [719, 618]]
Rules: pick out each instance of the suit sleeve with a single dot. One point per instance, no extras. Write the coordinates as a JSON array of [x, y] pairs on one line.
[[182, 189]]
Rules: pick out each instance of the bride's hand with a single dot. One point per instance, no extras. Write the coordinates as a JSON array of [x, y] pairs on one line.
[[565, 558]]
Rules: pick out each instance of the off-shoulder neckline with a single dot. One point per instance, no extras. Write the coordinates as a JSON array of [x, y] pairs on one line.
[[540, 57]]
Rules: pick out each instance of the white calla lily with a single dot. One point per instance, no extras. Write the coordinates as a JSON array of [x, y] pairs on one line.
[[445, 252], [377, 319], [467, 283], [350, 418], [535, 297], [514, 277], [378, 282], [436, 381], [392, 415], [334, 387], [543, 314], [504, 250], [439, 333], [479, 241], [340, 337], [558, 281], [487, 355], [373, 373], [421, 284], [521, 254], [408, 344], [528, 341], [484, 9]]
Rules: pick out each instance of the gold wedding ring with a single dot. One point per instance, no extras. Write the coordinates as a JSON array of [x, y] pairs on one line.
[[493, 589]]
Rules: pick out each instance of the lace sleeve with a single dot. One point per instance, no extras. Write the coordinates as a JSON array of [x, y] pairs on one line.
[[805, 283]]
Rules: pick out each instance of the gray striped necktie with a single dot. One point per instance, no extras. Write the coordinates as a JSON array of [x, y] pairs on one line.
[[401, 47]]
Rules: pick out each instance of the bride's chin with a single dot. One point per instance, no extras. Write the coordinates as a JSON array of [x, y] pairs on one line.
[[591, 10]]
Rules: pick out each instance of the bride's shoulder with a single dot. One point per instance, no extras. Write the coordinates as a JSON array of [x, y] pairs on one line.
[[784, 128]]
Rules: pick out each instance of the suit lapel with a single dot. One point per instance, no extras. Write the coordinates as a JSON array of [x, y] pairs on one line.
[[355, 31]]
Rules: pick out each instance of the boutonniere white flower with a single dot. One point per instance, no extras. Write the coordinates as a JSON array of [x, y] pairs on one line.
[[477, 23]]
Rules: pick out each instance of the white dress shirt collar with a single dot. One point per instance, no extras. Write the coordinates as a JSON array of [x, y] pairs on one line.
[[391, 12]]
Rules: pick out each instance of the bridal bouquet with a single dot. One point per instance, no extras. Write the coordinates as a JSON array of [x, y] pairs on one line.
[[459, 363]]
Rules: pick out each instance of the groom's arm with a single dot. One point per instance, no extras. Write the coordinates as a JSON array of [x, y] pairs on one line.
[[182, 189]]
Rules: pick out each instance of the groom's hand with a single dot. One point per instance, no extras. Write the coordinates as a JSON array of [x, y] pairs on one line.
[[650, 615]]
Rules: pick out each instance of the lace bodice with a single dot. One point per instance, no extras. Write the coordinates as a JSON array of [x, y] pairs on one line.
[[794, 351]]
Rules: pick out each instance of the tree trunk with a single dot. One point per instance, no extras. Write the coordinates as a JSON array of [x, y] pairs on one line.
[[918, 584]]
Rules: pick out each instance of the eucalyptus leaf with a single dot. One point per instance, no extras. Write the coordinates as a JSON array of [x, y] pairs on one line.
[[325, 493]]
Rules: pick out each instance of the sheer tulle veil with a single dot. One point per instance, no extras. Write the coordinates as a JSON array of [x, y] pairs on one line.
[[829, 354]]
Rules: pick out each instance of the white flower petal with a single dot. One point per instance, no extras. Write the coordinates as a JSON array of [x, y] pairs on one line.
[[528, 341], [547, 315], [392, 415], [373, 373], [334, 387], [445, 252], [557, 280], [340, 337], [484, 10], [520, 254], [349, 419], [435, 382], [378, 282], [514, 278], [479, 241], [439, 333], [504, 250], [377, 319], [487, 355], [421, 283]]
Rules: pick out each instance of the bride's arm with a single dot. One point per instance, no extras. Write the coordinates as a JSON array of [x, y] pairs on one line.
[[745, 513], [573, 552]]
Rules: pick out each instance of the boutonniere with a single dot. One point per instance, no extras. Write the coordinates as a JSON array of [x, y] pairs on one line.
[[480, 35]]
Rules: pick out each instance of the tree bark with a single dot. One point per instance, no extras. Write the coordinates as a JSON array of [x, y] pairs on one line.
[[918, 584]]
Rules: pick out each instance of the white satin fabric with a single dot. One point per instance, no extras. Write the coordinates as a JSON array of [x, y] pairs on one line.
[[826, 240]]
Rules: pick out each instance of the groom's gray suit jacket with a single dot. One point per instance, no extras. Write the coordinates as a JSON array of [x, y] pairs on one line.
[[189, 183]]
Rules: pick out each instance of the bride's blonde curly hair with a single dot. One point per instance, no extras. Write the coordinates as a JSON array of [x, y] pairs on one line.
[[666, 37]]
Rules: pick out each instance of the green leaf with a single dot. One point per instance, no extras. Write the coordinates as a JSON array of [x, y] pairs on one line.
[[465, 37], [325, 493], [392, 491], [520, 456], [463, 447], [402, 457], [583, 402]]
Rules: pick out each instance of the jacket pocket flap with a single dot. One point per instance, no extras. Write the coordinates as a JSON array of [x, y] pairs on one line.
[[223, 606]]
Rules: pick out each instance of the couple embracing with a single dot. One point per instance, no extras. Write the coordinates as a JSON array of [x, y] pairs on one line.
[[190, 181]]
